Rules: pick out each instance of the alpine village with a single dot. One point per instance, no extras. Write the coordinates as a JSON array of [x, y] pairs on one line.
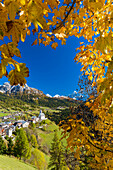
[[30, 137]]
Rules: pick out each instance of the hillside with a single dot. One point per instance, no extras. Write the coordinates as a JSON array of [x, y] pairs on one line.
[[31, 102], [29, 105], [44, 138], [19, 97], [45, 134], [55, 109], [8, 163]]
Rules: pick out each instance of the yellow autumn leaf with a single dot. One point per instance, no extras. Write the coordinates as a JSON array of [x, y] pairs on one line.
[[3, 71], [4, 50], [17, 67], [3, 65], [54, 45], [22, 37], [18, 77], [13, 49], [4, 56], [13, 7], [87, 104], [90, 77], [40, 24], [1, 74], [23, 2]]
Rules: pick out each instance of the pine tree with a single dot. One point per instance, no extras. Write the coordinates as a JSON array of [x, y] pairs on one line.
[[57, 160], [2, 146], [22, 148], [10, 146]]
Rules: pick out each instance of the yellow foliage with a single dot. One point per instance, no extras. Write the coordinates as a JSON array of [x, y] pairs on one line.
[[55, 20]]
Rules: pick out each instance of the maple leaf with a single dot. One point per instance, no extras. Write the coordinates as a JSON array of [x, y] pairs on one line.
[[17, 75], [16, 29], [3, 71], [13, 8], [13, 49], [35, 13]]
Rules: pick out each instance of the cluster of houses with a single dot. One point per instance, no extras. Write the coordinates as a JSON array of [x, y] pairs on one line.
[[8, 127]]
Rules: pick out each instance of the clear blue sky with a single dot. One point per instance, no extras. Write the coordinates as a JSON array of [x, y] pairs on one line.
[[52, 71]]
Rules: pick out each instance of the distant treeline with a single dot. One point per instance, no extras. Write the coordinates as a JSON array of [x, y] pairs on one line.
[[21, 100], [54, 102]]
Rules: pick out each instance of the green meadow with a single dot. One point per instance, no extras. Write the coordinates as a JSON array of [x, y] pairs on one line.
[[9, 163]]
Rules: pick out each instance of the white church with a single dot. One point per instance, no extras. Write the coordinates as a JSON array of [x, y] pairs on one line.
[[41, 116]]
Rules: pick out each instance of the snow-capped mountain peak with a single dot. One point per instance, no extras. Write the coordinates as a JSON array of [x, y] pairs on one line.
[[48, 95], [7, 88]]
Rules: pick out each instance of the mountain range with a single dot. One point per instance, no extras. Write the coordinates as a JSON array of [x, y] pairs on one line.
[[8, 89]]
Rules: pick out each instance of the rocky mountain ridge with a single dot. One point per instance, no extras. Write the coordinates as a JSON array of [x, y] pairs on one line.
[[8, 89]]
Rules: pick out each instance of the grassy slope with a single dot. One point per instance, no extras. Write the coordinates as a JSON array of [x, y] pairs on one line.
[[23, 102], [48, 134], [8, 163]]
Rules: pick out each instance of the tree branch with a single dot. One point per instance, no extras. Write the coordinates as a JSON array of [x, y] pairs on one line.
[[98, 146], [60, 25]]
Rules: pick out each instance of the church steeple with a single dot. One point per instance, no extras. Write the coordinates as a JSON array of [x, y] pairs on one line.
[[40, 111]]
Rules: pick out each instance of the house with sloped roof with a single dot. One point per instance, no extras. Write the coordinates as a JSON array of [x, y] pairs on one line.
[[25, 124], [34, 119]]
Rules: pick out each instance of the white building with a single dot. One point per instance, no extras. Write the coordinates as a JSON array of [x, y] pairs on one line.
[[25, 124], [22, 123], [41, 116], [9, 132]]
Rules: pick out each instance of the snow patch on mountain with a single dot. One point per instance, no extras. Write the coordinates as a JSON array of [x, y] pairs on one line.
[[56, 96], [7, 88], [48, 95]]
